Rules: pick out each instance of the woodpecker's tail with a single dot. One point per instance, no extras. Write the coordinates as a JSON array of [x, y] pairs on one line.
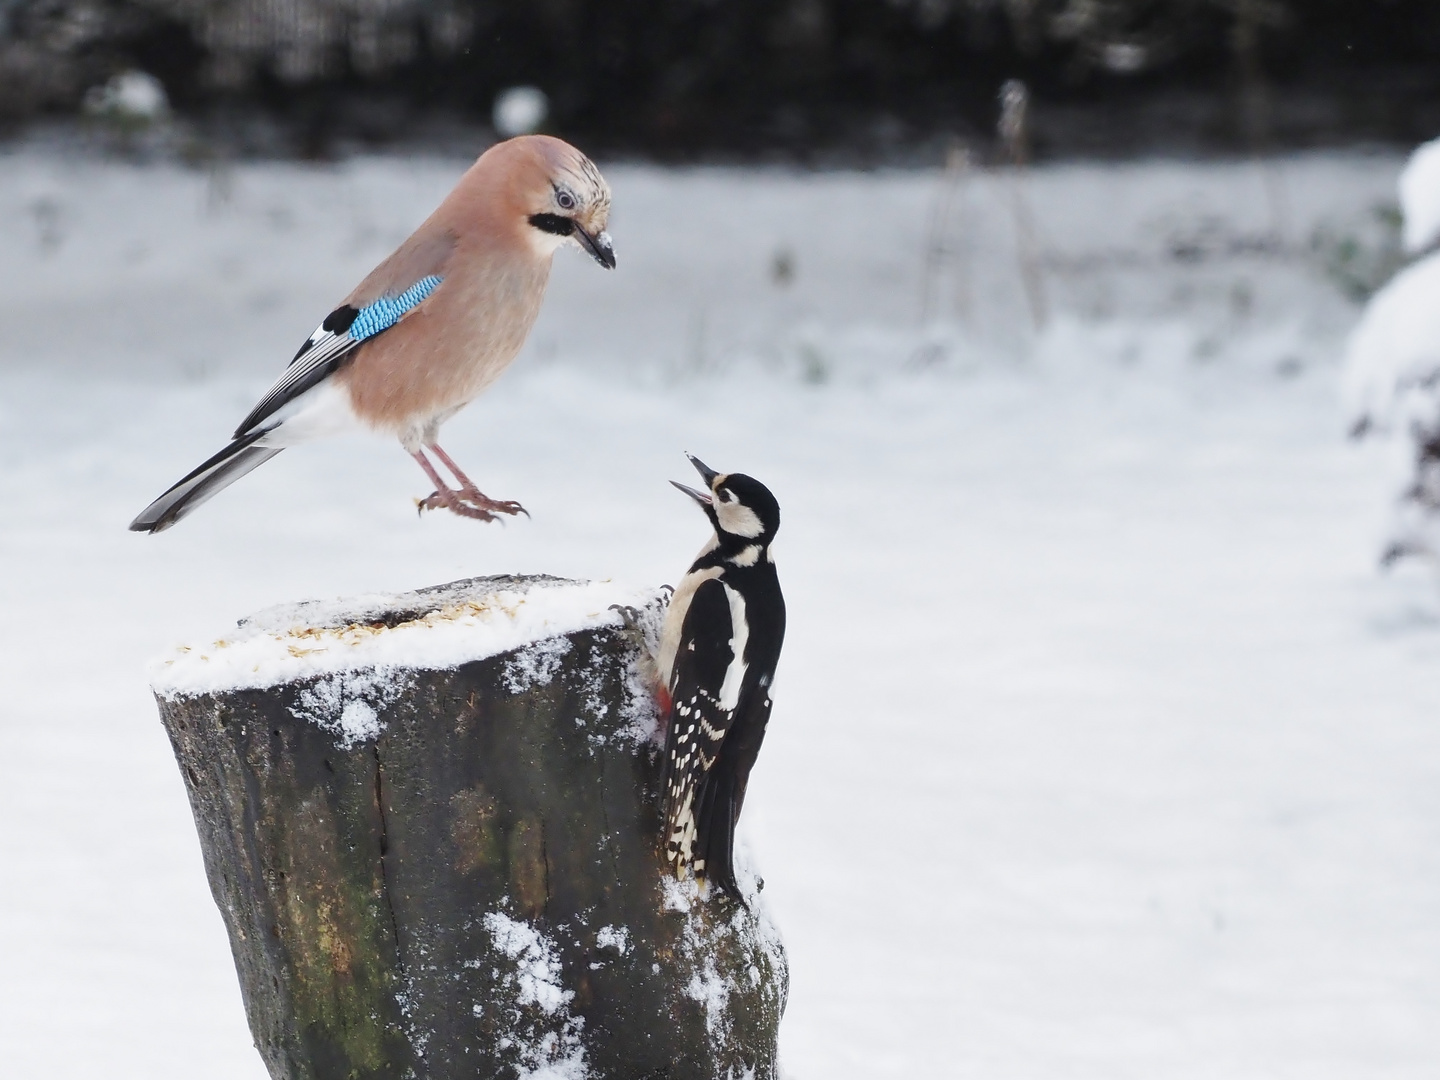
[[700, 826], [214, 476], [714, 852]]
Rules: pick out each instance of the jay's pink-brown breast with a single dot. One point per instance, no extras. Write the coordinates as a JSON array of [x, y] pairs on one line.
[[449, 348]]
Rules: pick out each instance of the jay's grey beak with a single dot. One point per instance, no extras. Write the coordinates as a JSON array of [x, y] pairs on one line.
[[598, 246]]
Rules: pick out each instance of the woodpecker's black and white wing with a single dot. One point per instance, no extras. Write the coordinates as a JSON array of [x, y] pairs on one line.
[[713, 736]]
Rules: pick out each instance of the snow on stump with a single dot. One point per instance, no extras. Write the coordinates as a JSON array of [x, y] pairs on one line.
[[430, 822]]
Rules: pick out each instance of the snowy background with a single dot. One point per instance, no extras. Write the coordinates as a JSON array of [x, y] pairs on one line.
[[1101, 749]]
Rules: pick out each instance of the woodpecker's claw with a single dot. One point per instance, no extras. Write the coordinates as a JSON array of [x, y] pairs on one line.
[[628, 615]]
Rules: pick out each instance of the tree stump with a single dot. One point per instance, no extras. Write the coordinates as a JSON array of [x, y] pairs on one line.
[[431, 824]]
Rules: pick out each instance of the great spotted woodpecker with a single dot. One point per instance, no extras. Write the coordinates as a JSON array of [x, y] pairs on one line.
[[719, 646]]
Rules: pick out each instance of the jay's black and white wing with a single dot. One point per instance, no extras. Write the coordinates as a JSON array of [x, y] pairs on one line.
[[713, 736], [320, 357], [327, 348]]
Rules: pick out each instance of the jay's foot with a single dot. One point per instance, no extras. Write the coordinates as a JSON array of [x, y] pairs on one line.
[[470, 494], [448, 500], [477, 506]]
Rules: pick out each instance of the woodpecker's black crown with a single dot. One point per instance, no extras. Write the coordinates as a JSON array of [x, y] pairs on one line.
[[740, 507]]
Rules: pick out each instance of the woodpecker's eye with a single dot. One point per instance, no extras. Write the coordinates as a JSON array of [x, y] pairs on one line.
[[724, 495], [565, 200]]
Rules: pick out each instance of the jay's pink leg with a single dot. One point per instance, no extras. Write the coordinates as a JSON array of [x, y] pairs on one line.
[[444, 496], [471, 493]]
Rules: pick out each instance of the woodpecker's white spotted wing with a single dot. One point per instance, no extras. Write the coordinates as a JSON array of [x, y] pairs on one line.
[[712, 738]]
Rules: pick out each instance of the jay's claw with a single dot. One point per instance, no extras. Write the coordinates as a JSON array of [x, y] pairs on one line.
[[472, 495], [468, 500], [499, 506], [451, 501]]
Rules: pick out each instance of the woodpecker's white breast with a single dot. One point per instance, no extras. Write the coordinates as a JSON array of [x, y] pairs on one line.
[[675, 618]]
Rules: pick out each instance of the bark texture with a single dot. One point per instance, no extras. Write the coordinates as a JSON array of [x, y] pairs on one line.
[[475, 890]]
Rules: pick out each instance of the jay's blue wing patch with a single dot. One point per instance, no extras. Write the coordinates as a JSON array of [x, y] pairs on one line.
[[332, 342], [386, 312]]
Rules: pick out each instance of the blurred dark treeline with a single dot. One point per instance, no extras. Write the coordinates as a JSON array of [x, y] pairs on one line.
[[682, 79]]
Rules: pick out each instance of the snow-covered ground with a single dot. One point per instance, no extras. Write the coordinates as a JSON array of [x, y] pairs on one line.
[[1100, 748]]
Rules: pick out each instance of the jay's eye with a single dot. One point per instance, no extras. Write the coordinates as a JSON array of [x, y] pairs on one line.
[[565, 200]]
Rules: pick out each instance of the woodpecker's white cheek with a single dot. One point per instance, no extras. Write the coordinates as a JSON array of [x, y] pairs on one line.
[[738, 520]]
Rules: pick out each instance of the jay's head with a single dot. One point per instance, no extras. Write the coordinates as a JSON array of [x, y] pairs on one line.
[[558, 192], [743, 511]]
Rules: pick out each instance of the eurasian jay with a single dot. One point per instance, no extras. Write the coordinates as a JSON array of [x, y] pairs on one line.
[[431, 327]]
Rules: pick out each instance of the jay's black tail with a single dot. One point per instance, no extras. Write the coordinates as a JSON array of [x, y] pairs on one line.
[[214, 476]]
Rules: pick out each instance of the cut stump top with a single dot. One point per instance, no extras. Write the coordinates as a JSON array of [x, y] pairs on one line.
[[429, 629]]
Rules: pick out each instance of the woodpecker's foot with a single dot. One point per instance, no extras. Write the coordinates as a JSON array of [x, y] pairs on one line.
[[630, 616], [635, 632]]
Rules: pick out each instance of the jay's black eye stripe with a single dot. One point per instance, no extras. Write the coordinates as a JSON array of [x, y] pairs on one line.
[[553, 223]]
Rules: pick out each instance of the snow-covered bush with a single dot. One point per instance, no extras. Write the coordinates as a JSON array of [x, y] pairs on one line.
[[1393, 361]]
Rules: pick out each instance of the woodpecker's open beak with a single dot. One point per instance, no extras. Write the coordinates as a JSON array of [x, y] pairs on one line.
[[706, 473], [598, 246], [699, 496], [709, 474]]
